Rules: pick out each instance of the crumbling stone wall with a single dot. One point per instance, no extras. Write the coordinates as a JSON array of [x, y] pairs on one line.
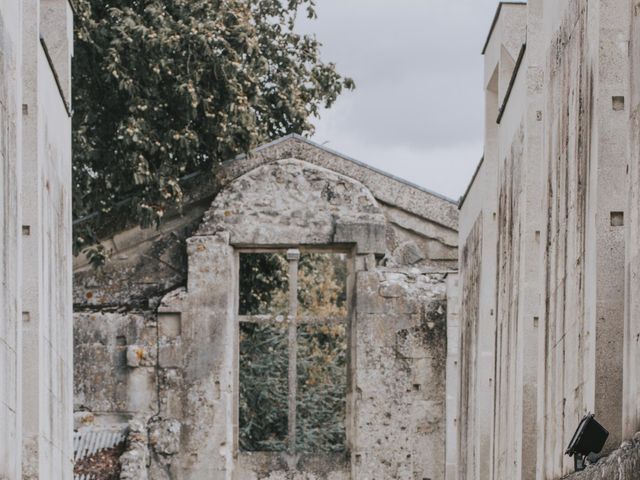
[[156, 340], [399, 374]]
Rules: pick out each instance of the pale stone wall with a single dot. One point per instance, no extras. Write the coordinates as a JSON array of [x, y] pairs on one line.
[[479, 259], [10, 245], [452, 375], [553, 180], [161, 346], [35, 214], [584, 164], [631, 408], [46, 219]]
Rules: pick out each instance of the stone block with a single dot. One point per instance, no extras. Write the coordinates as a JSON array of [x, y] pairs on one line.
[[135, 355], [369, 236], [142, 390], [170, 355], [367, 285], [164, 436], [408, 254], [376, 330], [169, 324]]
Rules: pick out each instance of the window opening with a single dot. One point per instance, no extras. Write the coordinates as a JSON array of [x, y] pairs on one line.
[[293, 313]]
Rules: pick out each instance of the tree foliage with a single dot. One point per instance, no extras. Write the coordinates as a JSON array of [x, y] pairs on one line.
[[322, 388], [321, 391], [163, 88], [263, 399]]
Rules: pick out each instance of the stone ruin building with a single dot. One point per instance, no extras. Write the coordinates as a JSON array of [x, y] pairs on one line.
[[168, 337], [306, 316]]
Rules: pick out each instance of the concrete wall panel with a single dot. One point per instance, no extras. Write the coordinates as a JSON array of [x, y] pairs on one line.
[[10, 240]]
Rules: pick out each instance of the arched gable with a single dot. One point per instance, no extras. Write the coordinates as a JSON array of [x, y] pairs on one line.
[[291, 202]]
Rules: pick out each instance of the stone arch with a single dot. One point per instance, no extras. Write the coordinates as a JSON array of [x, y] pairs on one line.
[[295, 202]]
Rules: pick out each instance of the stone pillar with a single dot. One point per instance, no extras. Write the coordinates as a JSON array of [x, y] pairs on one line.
[[209, 336], [10, 238], [631, 405], [452, 376], [47, 375], [531, 244], [607, 218]]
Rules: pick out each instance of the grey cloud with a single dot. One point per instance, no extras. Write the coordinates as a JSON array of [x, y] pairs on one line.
[[418, 70]]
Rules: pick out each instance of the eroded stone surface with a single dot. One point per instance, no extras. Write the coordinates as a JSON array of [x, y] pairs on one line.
[[165, 350], [303, 203]]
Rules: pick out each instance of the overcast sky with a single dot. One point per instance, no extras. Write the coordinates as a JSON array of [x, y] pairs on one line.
[[417, 108]]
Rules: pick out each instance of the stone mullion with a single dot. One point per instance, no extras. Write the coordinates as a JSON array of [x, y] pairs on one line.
[[293, 256]]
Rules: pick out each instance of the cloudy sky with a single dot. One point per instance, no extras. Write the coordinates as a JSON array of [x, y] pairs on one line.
[[417, 108]]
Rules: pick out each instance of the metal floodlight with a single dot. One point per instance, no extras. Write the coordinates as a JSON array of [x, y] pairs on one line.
[[590, 437]]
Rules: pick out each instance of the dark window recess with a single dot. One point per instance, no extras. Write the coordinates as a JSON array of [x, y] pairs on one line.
[[618, 103], [293, 352], [617, 219]]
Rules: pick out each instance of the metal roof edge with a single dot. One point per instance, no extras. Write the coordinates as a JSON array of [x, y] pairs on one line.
[[473, 179], [495, 22], [512, 82]]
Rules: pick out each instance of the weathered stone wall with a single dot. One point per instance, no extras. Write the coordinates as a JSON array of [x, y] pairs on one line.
[[46, 220], [479, 218], [508, 361], [400, 375], [471, 268], [556, 159], [35, 214], [631, 410], [567, 154], [452, 384], [10, 245], [156, 331], [585, 160], [285, 191]]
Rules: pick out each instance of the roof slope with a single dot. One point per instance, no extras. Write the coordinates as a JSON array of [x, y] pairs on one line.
[[402, 200]]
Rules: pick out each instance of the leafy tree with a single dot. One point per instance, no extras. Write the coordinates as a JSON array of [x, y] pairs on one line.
[[263, 399], [264, 284], [163, 88], [322, 287], [322, 388]]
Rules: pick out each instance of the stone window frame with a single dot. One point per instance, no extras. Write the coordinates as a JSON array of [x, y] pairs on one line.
[[292, 253]]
